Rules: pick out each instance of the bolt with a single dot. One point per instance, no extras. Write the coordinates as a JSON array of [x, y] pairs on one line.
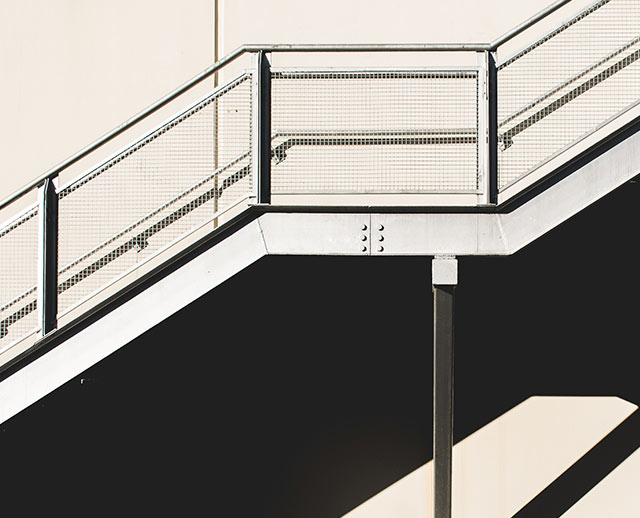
[[364, 238], [381, 227]]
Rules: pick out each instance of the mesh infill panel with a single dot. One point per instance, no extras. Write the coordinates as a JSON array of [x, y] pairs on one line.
[[566, 85], [167, 184], [18, 277], [387, 131]]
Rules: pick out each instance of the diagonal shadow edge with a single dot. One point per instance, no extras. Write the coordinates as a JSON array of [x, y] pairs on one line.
[[587, 472]]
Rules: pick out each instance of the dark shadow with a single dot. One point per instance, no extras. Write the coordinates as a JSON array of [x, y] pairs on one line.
[[583, 476], [302, 386]]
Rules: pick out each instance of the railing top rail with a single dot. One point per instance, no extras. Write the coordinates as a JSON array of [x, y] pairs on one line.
[[527, 23], [212, 69]]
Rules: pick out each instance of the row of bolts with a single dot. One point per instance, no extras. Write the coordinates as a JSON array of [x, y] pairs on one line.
[[380, 238]]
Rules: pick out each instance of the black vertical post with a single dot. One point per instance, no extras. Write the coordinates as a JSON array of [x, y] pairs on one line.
[[49, 289], [443, 315], [264, 129], [492, 79]]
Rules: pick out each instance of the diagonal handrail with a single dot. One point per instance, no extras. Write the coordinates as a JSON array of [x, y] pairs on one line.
[[507, 137], [566, 83], [136, 242]]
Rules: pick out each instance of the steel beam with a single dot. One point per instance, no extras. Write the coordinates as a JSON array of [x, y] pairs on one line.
[[444, 280]]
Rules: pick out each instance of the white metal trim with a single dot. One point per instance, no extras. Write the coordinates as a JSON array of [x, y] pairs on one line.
[[482, 138], [42, 216], [444, 270], [374, 70], [364, 192], [255, 123]]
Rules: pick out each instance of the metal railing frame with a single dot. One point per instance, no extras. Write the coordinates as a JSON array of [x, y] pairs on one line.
[[47, 289], [277, 48]]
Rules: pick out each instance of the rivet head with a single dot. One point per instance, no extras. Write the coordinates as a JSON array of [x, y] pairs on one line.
[[381, 238], [380, 227], [364, 227], [364, 238], [380, 248], [364, 248]]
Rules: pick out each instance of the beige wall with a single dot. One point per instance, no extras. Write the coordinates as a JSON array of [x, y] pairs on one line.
[[504, 465], [376, 21], [75, 69], [368, 21]]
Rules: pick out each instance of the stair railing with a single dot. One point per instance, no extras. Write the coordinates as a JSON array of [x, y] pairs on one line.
[[258, 137]]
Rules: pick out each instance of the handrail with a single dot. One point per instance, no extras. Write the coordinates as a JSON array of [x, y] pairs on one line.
[[527, 23], [506, 138], [212, 69], [566, 83], [54, 171], [409, 138], [139, 241]]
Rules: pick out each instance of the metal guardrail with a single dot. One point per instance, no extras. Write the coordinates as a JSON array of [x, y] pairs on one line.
[[375, 131], [270, 131], [566, 85]]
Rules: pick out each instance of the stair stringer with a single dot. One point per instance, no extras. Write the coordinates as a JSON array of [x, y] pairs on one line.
[[130, 319]]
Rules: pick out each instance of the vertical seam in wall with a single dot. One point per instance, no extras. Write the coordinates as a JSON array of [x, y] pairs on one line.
[[216, 38]]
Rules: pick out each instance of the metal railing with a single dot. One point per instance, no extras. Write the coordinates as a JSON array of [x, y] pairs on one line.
[[472, 130], [376, 131], [565, 85]]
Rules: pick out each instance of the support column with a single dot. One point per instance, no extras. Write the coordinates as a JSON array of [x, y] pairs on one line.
[[444, 280], [261, 121], [487, 128]]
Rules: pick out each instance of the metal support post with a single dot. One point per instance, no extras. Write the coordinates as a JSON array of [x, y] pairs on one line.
[[444, 280], [47, 303], [487, 128], [492, 104], [261, 120]]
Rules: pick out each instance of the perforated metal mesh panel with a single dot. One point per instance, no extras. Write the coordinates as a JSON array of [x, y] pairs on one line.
[[386, 131], [18, 277], [566, 85], [167, 184]]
